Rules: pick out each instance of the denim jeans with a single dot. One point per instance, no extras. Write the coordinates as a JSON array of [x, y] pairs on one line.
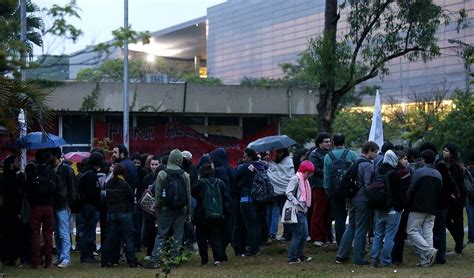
[[61, 235], [273, 218], [420, 232], [250, 216], [298, 238], [439, 235], [339, 212], [470, 220], [168, 219], [119, 223], [90, 217], [355, 232], [386, 226]]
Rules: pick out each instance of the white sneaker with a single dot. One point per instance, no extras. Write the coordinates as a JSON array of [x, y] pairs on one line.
[[318, 243], [147, 258], [64, 264], [195, 246]]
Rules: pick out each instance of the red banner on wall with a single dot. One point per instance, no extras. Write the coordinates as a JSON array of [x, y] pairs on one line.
[[162, 138]]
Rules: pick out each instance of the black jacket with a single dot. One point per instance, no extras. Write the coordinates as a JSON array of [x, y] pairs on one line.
[[395, 185], [10, 188], [119, 196], [425, 190], [198, 192], [41, 193], [317, 158], [66, 187], [89, 188]]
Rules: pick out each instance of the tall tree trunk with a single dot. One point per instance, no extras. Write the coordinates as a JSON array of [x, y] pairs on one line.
[[328, 100]]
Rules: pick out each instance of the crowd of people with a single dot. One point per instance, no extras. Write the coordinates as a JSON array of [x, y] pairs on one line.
[[145, 201]]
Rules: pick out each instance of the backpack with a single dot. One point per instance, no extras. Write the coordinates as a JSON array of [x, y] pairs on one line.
[[261, 190], [342, 179], [379, 193], [174, 192], [44, 181], [212, 201], [468, 185]]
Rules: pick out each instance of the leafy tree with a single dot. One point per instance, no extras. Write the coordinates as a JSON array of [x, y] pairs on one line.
[[378, 32], [49, 67], [112, 70], [458, 125], [302, 129]]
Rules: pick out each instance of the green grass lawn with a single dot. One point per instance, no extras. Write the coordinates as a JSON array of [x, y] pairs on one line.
[[271, 263]]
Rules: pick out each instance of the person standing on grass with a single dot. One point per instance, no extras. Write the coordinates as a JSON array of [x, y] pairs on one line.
[[423, 199], [298, 193], [387, 221], [173, 203], [321, 218], [66, 196], [119, 197], [354, 236], [211, 209]]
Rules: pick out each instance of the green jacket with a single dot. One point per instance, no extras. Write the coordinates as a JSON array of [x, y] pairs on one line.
[[328, 162], [174, 162]]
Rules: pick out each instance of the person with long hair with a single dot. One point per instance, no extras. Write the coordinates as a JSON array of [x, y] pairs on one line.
[[298, 193], [454, 219], [119, 197]]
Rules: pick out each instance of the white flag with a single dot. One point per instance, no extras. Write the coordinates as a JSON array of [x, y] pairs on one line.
[[376, 130]]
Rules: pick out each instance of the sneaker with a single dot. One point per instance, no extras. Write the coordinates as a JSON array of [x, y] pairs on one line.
[[248, 254], [318, 243], [152, 265], [433, 257], [195, 246], [294, 261], [56, 262], [340, 260], [137, 264], [147, 258], [64, 264], [308, 239], [217, 263], [95, 253], [305, 258]]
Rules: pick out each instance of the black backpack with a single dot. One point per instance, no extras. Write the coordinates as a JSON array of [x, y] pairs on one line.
[[379, 193], [261, 190], [342, 178], [175, 195], [468, 185], [44, 181], [212, 201]]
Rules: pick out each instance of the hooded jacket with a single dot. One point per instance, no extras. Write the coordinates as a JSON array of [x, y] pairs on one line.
[[222, 169], [244, 176], [280, 174], [174, 162]]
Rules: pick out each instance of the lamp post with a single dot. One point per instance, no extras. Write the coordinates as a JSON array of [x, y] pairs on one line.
[[125, 80], [22, 114]]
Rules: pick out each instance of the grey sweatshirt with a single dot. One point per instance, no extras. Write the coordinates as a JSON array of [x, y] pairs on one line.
[[280, 174]]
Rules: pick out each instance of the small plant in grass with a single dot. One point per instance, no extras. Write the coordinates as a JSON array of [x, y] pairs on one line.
[[172, 255]]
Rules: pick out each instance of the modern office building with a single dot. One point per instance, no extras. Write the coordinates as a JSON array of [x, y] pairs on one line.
[[241, 38]]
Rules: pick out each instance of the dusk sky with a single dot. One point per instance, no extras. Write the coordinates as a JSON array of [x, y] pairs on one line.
[[100, 17]]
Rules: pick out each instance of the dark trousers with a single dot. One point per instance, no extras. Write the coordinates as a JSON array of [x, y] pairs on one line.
[[103, 224], [399, 240], [455, 225], [10, 237], [149, 232], [321, 216], [212, 232], [239, 232], [90, 217], [251, 220], [338, 209], [137, 227], [439, 235], [42, 216], [119, 225]]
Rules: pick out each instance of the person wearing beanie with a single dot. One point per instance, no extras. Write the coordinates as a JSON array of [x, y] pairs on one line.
[[387, 221], [299, 194]]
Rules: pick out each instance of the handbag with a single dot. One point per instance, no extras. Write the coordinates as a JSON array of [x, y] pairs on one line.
[[288, 215], [148, 202]]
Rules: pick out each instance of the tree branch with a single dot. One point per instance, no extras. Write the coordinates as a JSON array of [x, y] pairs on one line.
[[364, 35], [373, 72]]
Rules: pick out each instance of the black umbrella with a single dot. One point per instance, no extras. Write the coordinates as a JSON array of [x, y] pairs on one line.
[[269, 143]]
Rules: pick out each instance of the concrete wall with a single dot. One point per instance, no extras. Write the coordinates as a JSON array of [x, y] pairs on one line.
[[198, 99]]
